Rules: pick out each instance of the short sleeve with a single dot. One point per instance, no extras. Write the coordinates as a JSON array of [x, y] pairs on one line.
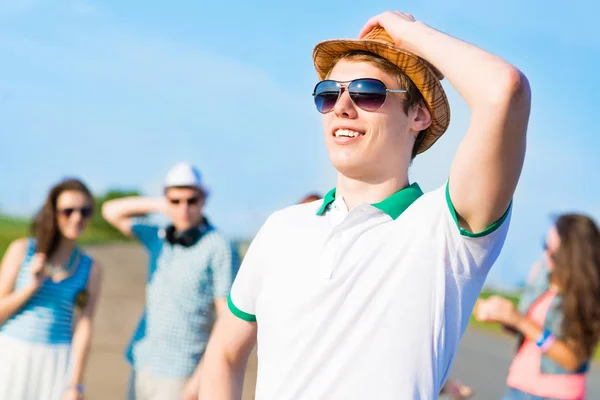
[[247, 284], [147, 234], [224, 265], [473, 253]]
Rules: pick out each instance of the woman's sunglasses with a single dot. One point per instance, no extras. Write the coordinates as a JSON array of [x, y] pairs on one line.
[[85, 212], [367, 93]]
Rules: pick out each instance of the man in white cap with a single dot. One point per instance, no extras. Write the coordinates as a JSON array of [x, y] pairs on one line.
[[366, 294], [190, 271]]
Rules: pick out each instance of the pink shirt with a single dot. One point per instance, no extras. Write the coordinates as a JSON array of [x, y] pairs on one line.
[[524, 373]]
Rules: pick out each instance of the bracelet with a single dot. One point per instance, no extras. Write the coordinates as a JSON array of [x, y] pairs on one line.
[[549, 342], [545, 341]]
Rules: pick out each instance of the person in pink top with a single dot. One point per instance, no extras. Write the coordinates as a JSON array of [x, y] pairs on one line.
[[558, 317]]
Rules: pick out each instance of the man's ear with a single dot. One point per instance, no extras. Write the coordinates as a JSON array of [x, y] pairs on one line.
[[420, 118]]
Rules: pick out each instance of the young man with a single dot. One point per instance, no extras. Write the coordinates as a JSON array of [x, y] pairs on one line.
[[190, 271], [367, 293]]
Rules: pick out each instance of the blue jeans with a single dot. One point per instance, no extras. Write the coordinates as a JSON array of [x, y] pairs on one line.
[[515, 394]]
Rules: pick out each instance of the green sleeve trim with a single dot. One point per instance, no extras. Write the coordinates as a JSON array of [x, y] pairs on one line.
[[464, 232], [239, 313]]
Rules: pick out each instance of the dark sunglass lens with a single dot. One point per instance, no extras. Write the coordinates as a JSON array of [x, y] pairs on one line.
[[326, 94], [68, 211], [368, 94], [192, 201], [86, 212]]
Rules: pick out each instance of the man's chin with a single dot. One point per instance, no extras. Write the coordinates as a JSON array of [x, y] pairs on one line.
[[349, 168]]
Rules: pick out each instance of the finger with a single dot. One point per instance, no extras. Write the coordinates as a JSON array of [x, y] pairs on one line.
[[371, 23], [39, 257], [38, 266], [404, 15], [483, 316], [478, 305]]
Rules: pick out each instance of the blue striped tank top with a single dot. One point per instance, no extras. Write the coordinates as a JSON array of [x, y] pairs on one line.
[[47, 317]]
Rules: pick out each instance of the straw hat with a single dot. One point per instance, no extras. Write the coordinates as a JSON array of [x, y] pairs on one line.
[[424, 75]]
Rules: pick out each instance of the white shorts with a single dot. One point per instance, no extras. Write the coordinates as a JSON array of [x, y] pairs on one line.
[[32, 371], [144, 386]]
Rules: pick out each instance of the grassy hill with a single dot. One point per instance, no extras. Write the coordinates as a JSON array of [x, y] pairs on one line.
[[10, 229]]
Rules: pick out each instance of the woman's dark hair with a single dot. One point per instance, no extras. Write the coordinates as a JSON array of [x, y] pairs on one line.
[[310, 198], [577, 271], [44, 226]]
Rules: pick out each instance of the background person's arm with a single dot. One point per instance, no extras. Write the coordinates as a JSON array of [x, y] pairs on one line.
[[120, 212]]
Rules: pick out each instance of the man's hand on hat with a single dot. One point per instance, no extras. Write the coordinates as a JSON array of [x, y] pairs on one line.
[[397, 24]]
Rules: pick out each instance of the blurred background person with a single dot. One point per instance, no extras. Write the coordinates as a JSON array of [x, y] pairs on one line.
[[42, 281], [558, 317], [190, 271]]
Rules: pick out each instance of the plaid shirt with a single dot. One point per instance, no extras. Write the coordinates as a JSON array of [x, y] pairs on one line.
[[183, 284]]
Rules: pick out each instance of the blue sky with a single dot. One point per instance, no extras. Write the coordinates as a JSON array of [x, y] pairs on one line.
[[116, 92]]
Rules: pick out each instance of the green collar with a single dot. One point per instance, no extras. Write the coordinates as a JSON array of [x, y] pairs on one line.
[[393, 206]]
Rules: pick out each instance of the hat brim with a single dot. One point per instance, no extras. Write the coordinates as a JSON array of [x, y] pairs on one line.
[[425, 77]]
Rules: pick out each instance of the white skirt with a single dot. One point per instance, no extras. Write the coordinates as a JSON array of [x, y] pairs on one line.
[[31, 371]]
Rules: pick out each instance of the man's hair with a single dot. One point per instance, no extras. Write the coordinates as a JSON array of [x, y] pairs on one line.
[[413, 95]]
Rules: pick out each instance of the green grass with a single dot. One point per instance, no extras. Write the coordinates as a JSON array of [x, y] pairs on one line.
[[10, 229]]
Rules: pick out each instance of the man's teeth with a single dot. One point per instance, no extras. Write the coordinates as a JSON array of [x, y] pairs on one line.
[[346, 133]]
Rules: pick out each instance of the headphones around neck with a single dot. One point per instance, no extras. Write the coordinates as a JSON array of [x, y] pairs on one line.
[[186, 238]]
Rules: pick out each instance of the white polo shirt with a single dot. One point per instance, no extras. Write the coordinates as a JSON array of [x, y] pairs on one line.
[[366, 304]]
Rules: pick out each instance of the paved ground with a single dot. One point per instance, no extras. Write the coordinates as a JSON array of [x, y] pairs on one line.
[[482, 360]]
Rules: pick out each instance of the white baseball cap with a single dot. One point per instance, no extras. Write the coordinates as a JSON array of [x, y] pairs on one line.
[[183, 174]]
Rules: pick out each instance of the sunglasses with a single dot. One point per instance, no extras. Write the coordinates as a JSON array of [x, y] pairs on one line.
[[366, 93], [191, 201], [85, 212]]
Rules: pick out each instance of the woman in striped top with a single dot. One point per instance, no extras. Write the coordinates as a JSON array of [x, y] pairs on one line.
[[43, 346]]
